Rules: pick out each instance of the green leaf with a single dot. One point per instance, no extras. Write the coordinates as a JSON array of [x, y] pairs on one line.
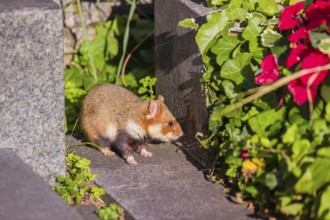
[[252, 112], [323, 211], [229, 88], [224, 47], [208, 32], [292, 2], [189, 23], [236, 13], [292, 209], [316, 175], [97, 47], [235, 3], [215, 119], [320, 127], [252, 31], [300, 148], [234, 161], [272, 21], [327, 112], [112, 45], [256, 50], [217, 2], [316, 38], [142, 90], [324, 46], [262, 121], [249, 5], [265, 142], [113, 206], [270, 37], [271, 180], [324, 152], [291, 134], [60, 179], [296, 117], [73, 78], [74, 94], [233, 68], [325, 92], [268, 7], [231, 172], [252, 190]]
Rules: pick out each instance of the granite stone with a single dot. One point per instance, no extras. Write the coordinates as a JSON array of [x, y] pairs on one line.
[[165, 186], [31, 84], [25, 196]]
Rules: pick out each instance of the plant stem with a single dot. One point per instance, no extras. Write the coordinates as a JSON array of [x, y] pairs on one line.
[[130, 54], [262, 90], [125, 40], [83, 25]]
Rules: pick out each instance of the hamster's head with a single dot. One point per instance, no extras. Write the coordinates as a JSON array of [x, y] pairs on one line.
[[161, 124]]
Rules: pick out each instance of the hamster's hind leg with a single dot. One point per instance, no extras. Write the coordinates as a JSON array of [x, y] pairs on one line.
[[104, 144]]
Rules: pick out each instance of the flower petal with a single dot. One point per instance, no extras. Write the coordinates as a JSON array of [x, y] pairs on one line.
[[289, 16], [299, 34], [269, 74], [299, 91], [314, 59], [318, 13], [296, 55]]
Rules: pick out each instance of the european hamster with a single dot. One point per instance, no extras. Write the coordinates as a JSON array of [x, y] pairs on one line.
[[113, 116]]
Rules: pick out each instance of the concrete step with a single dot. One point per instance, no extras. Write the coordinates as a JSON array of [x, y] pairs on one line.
[[25, 195], [166, 186]]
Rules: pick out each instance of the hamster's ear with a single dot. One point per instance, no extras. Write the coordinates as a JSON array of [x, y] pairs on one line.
[[160, 98], [154, 109]]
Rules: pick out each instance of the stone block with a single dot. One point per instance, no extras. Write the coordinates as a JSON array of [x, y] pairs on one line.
[[163, 187], [179, 66], [31, 84], [25, 196]]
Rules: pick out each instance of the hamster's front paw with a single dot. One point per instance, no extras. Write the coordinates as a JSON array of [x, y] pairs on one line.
[[131, 161], [145, 153], [107, 152]]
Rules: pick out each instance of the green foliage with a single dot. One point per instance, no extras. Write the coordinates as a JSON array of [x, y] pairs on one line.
[[102, 55], [189, 23], [112, 211], [285, 171], [146, 91], [78, 186]]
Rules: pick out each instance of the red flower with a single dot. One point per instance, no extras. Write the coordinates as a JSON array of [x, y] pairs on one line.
[[244, 154], [299, 34], [299, 87], [315, 59], [289, 16], [297, 54], [299, 91], [318, 13], [269, 72]]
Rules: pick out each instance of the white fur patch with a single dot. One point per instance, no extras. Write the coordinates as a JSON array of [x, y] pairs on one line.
[[155, 131], [171, 136], [111, 132], [135, 130]]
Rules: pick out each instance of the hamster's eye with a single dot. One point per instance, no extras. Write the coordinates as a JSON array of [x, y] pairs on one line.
[[170, 123]]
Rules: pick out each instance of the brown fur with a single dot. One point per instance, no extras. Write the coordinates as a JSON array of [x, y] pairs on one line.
[[110, 104]]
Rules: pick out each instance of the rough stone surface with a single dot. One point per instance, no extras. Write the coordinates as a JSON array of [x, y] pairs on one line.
[[179, 67], [31, 84], [166, 186], [25, 196]]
